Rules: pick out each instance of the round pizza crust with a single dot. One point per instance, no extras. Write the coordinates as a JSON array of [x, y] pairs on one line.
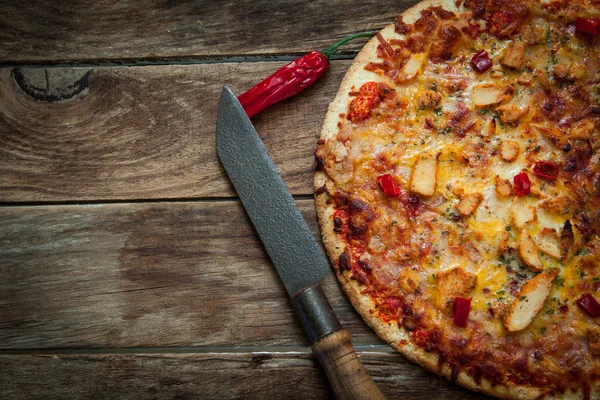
[[392, 333]]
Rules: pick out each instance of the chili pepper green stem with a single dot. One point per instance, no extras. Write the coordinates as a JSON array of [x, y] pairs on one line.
[[331, 49]]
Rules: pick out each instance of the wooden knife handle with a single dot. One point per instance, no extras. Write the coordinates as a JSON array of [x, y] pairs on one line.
[[332, 346], [346, 374]]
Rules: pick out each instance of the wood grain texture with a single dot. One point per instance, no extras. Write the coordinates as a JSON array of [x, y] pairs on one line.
[[147, 275], [142, 132], [206, 376], [84, 30]]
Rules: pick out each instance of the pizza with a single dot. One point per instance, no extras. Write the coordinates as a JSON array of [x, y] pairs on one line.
[[458, 192]]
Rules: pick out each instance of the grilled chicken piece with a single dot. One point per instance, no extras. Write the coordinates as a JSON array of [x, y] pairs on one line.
[[497, 71], [535, 183], [509, 151], [513, 58], [582, 130], [558, 205], [554, 135], [578, 72], [468, 203], [503, 188], [489, 94], [529, 253], [560, 72], [428, 99], [411, 68], [525, 79], [511, 114], [424, 176], [408, 279], [454, 283], [529, 301], [547, 241], [543, 81], [502, 242], [532, 34], [488, 128], [522, 213]]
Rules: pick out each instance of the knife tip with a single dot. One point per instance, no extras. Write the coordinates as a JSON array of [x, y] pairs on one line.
[[227, 91]]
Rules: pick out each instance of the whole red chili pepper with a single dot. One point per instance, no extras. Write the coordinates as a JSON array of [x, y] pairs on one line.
[[292, 78]]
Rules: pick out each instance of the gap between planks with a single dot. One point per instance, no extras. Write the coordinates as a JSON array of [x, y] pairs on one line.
[[189, 350], [143, 62], [133, 201]]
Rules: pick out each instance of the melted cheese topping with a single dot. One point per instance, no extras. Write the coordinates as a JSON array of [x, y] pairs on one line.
[[482, 128]]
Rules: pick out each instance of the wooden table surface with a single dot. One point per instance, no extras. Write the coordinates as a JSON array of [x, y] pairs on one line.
[[128, 268]]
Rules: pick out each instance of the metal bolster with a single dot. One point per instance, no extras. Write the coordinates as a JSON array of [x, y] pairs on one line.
[[315, 312]]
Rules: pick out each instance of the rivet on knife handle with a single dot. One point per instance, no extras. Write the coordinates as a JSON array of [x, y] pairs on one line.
[[332, 346]]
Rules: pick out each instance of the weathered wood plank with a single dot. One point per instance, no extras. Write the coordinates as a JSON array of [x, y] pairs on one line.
[[206, 376], [49, 31], [143, 132], [146, 275]]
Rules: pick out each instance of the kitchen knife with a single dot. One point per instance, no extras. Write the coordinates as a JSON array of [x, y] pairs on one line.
[[291, 246]]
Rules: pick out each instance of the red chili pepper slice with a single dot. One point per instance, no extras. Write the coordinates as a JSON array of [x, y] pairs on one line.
[[546, 169], [588, 25], [291, 79], [481, 61], [522, 184], [590, 305], [389, 186], [462, 308]]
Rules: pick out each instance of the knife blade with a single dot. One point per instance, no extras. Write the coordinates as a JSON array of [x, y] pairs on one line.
[[291, 246]]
